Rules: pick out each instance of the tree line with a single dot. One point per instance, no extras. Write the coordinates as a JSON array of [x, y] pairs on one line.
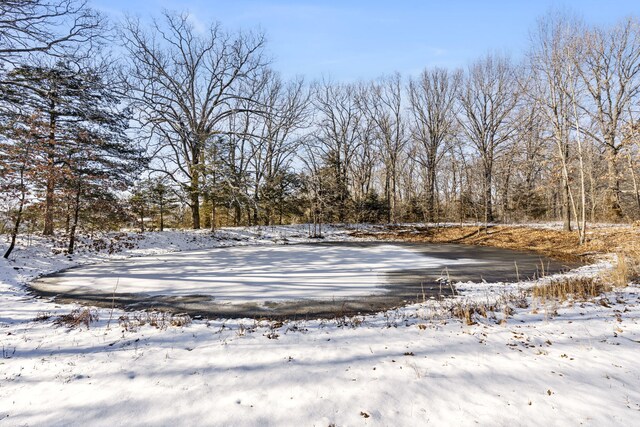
[[194, 128]]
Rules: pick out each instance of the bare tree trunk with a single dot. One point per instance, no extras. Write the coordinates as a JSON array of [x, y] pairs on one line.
[[74, 225], [566, 190], [142, 218], [505, 197], [161, 216], [256, 202], [566, 205], [582, 225], [194, 195], [488, 208], [635, 182], [394, 191], [16, 225], [613, 190], [237, 213], [267, 215], [67, 219], [50, 185], [387, 194], [214, 216], [431, 191]]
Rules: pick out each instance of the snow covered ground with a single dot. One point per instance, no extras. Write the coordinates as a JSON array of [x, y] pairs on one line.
[[548, 363]]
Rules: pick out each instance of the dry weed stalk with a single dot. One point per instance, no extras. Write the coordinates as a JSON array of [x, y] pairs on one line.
[[77, 317], [627, 268], [159, 320], [579, 288]]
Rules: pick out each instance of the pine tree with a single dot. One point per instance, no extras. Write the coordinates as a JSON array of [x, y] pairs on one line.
[[82, 132], [19, 161]]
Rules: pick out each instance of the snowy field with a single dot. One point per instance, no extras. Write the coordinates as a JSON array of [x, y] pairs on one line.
[[546, 364]]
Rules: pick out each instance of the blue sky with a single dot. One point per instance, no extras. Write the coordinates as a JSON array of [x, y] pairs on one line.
[[352, 40]]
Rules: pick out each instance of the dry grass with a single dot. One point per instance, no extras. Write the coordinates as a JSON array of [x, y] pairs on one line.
[[620, 274], [78, 317], [499, 310], [577, 288], [626, 269], [468, 310], [42, 316], [159, 320], [554, 291], [557, 244]]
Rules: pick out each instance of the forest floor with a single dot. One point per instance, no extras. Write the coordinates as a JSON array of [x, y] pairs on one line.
[[498, 353]]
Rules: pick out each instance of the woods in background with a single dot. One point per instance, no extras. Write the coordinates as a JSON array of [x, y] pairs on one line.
[[185, 128]]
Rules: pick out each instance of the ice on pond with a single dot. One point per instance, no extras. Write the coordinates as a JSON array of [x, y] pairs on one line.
[[263, 273]]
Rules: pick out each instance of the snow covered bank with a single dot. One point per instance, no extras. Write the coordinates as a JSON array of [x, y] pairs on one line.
[[576, 367]]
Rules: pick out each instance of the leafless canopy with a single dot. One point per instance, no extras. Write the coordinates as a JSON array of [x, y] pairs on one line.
[[53, 27], [185, 84], [432, 104], [488, 99]]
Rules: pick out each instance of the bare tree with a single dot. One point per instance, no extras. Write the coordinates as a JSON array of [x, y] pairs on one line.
[[551, 72], [274, 141], [631, 148], [489, 96], [184, 84], [525, 165], [312, 156], [381, 101], [338, 134], [367, 155], [432, 101], [52, 27], [610, 69]]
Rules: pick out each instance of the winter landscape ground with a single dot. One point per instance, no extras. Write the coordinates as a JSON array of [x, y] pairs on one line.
[[483, 266], [527, 361]]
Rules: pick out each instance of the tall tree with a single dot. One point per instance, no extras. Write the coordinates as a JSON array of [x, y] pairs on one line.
[[99, 159], [383, 104], [552, 75], [81, 127], [184, 83], [52, 27], [432, 104], [285, 112], [20, 147], [489, 96], [61, 99], [609, 66], [338, 136], [162, 198]]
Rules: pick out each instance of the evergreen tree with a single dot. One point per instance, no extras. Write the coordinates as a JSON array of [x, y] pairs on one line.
[[162, 199], [80, 124]]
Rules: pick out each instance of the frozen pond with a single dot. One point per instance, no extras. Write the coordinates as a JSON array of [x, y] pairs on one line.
[[305, 280]]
